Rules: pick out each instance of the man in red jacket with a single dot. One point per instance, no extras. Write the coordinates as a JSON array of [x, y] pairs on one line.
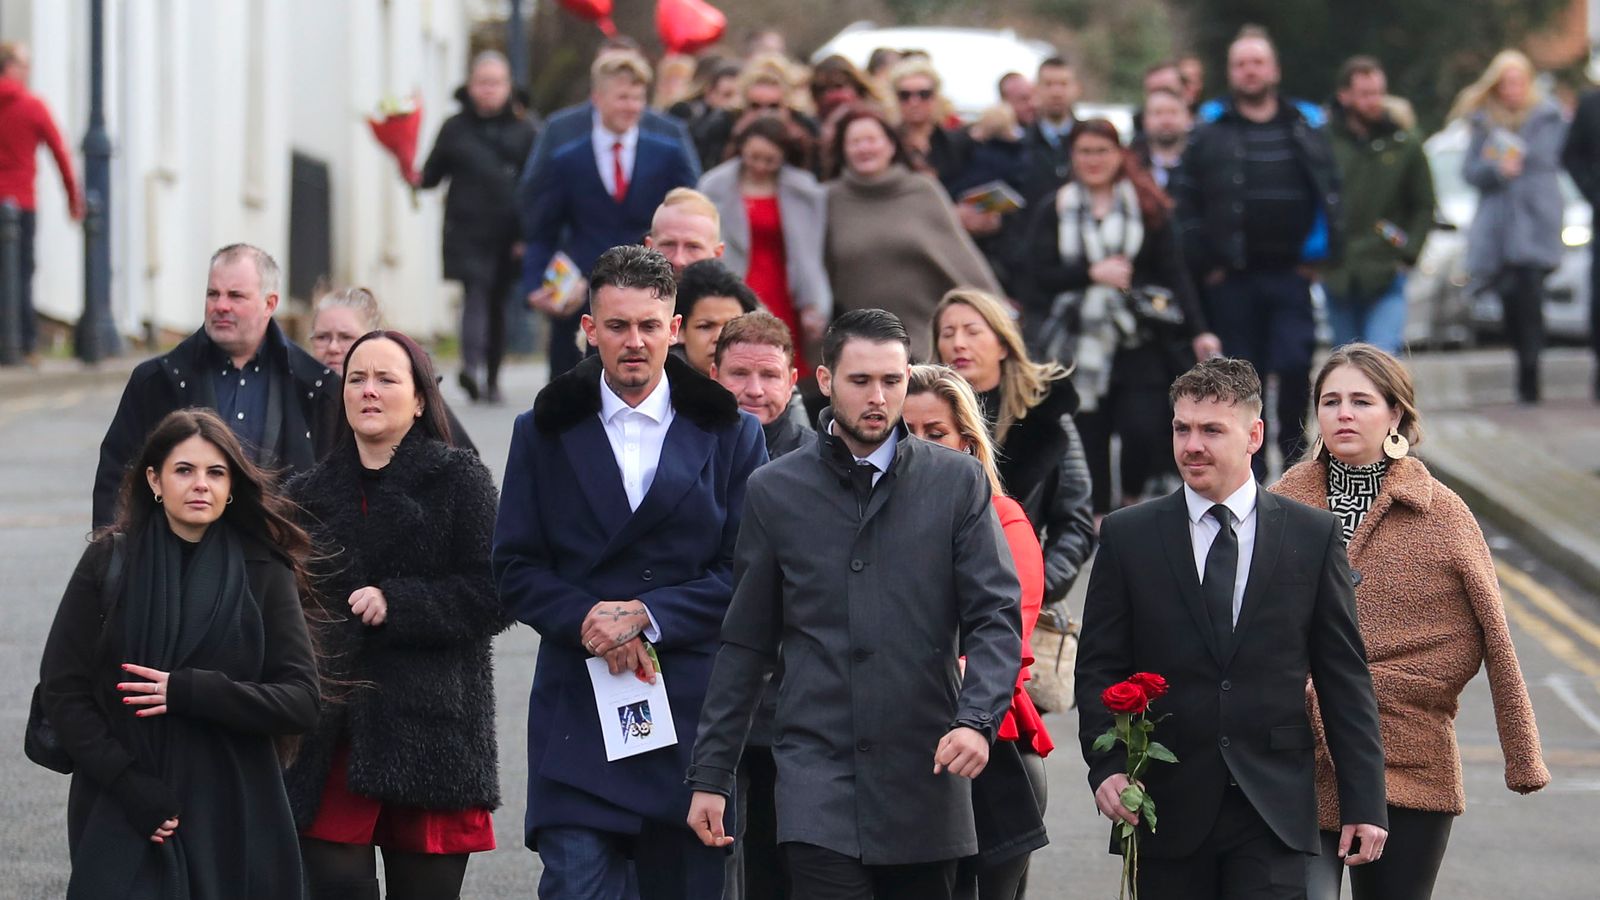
[[25, 123]]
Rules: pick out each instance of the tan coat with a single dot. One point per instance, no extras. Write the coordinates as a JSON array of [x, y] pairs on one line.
[[1430, 612]]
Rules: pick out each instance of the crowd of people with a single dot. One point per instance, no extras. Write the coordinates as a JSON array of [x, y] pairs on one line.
[[821, 452]]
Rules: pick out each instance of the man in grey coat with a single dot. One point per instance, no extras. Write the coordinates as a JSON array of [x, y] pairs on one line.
[[874, 562]]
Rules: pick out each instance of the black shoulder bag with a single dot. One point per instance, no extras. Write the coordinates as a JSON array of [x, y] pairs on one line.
[[39, 741]]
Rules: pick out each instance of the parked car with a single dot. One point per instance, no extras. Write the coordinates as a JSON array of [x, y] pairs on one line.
[[970, 61], [1445, 306]]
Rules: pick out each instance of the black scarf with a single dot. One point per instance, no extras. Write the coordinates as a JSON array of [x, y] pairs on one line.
[[177, 614]]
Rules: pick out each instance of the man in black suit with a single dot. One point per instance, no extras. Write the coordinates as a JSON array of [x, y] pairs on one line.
[[1055, 93], [1234, 595]]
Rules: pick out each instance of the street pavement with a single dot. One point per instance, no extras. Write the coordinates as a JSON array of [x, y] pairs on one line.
[[1505, 845]]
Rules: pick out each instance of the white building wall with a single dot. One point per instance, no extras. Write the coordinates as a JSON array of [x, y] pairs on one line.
[[205, 101]]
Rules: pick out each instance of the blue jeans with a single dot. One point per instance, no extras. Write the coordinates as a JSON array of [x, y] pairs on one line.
[[1379, 320], [670, 862]]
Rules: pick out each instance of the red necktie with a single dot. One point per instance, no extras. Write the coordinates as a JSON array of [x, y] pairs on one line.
[[618, 174]]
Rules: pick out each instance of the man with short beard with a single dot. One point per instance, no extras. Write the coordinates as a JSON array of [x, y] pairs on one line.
[[274, 395], [1160, 146], [873, 562], [622, 500], [1387, 210], [1257, 207]]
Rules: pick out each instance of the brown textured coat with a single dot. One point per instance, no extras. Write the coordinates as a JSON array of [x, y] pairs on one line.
[[1430, 612]]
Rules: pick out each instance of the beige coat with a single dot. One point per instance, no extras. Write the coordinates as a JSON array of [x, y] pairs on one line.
[[1430, 612]]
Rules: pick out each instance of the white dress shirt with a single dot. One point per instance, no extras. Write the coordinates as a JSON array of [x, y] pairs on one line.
[[1204, 527], [636, 434], [881, 457], [603, 154]]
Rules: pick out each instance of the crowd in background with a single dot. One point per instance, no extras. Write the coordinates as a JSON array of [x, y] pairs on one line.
[[835, 244]]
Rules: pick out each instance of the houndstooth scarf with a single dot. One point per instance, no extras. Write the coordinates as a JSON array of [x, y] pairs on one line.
[[1106, 322]]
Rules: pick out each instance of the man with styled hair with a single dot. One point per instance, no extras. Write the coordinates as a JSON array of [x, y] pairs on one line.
[[855, 558], [1235, 596], [596, 189], [274, 395], [615, 539]]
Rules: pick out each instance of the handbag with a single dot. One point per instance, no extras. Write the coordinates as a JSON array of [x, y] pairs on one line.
[[40, 742], [1051, 678], [1155, 307]]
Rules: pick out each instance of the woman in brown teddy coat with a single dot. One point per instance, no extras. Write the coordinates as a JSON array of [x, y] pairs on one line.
[[1429, 605]]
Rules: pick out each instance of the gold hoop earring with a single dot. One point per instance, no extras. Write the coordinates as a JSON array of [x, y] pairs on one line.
[[1395, 446]]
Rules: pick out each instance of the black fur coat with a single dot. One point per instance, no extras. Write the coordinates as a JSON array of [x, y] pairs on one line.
[[414, 697]]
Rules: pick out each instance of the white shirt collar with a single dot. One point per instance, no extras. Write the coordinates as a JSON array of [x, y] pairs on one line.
[[1241, 502], [881, 457], [655, 406], [604, 137]]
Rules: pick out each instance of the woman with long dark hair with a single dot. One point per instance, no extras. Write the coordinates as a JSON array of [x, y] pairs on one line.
[[405, 760], [1107, 267], [176, 669]]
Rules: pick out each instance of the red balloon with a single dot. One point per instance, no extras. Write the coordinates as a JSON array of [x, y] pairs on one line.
[[689, 26], [596, 11]]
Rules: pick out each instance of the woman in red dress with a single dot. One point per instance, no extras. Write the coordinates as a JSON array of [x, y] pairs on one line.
[[773, 216], [405, 759], [1008, 798]]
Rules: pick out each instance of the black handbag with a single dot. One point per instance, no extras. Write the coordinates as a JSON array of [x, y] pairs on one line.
[[39, 740], [1155, 307]]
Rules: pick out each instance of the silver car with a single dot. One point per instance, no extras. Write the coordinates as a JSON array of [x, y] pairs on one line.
[[1444, 306]]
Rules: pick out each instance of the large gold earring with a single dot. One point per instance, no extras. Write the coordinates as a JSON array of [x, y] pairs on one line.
[[1395, 446]]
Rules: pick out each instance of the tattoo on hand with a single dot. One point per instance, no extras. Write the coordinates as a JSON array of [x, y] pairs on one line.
[[619, 612], [628, 635]]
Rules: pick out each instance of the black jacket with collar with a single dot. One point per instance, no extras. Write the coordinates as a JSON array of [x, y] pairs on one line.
[[482, 157], [298, 436], [1234, 711], [1042, 466], [418, 707], [1209, 185]]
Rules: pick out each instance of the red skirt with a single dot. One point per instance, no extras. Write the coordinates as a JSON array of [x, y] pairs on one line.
[[349, 818]]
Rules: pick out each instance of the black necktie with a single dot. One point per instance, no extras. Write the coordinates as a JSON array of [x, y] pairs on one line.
[[861, 479], [1222, 565]]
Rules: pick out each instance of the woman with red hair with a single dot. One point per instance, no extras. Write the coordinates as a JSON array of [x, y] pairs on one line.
[[1117, 305]]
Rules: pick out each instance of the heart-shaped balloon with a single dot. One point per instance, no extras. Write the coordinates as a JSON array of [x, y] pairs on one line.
[[596, 11], [689, 26]]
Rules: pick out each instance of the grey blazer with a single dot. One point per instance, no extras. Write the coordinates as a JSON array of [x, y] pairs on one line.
[[872, 609], [804, 207]]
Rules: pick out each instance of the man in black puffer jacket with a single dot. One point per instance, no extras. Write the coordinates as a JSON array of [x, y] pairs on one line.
[[481, 150]]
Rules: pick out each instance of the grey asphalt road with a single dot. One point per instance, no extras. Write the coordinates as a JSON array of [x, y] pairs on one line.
[[1505, 845]]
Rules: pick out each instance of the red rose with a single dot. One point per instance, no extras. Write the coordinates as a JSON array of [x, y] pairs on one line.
[[1155, 687], [1125, 697]]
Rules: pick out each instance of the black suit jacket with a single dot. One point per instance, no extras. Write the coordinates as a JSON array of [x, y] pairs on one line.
[[1238, 709]]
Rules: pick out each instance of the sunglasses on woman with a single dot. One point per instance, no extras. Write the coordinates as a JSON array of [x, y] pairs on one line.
[[923, 94]]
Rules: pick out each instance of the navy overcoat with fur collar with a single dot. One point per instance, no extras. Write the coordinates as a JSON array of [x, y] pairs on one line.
[[567, 540]]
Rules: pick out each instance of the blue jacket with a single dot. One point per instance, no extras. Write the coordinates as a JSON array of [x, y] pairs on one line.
[[566, 540], [562, 203]]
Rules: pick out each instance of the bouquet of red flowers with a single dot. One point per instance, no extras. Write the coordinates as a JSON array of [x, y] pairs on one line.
[[1129, 702], [396, 127]]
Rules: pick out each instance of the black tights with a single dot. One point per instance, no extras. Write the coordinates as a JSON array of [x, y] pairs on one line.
[[1406, 870], [351, 871]]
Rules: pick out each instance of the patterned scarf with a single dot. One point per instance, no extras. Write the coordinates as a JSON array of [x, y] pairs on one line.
[[1352, 491], [1105, 320]]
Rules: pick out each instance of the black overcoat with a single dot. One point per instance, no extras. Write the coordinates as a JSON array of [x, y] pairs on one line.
[[482, 157], [872, 612], [234, 821], [418, 690], [299, 435]]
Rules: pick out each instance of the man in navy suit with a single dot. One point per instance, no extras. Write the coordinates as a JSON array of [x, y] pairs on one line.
[[588, 190], [618, 516]]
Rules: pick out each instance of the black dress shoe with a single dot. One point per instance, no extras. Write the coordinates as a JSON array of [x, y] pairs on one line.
[[468, 384]]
